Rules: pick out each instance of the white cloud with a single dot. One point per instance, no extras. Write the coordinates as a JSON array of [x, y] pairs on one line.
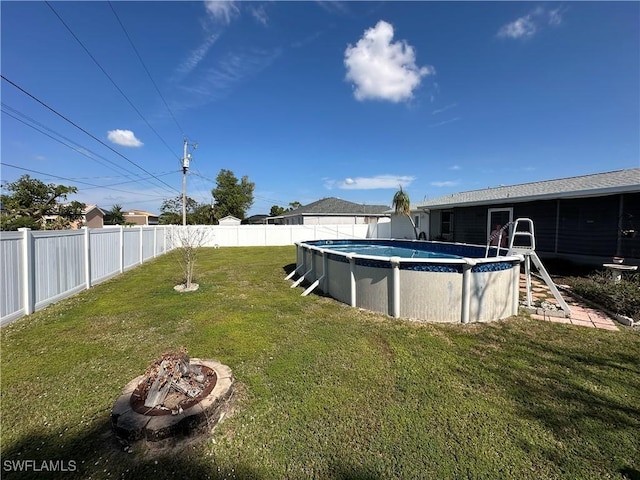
[[528, 25], [125, 138], [333, 6], [308, 39], [215, 82], [222, 11], [555, 16], [370, 183], [455, 167], [260, 14], [444, 109], [522, 27], [196, 56], [447, 183], [382, 69], [444, 122]]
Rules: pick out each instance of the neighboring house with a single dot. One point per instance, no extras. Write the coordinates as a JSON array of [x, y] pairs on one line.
[[92, 217], [588, 219], [332, 211], [229, 220], [140, 217], [256, 220]]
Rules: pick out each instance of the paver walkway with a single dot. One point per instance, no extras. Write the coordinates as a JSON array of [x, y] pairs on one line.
[[581, 314]]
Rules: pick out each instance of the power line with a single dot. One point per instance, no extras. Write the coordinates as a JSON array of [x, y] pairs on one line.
[[110, 79], [202, 184], [81, 148], [130, 181], [146, 69], [83, 130], [77, 181]]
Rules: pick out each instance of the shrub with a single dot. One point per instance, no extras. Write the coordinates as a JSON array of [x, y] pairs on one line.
[[622, 298]]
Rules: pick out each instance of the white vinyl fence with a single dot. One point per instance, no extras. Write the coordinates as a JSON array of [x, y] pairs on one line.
[[42, 267], [273, 235]]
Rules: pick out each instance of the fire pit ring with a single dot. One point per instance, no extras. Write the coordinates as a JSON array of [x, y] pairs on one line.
[[131, 422]]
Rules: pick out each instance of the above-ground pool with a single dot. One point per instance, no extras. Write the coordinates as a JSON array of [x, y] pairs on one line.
[[429, 281]]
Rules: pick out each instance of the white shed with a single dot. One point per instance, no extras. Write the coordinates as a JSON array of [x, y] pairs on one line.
[[229, 220]]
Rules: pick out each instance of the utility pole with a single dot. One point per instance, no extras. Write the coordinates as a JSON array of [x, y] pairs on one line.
[[186, 158]]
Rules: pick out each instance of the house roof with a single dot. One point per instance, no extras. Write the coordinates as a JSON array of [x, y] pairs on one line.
[[619, 181], [336, 206], [90, 207], [259, 219], [138, 212]]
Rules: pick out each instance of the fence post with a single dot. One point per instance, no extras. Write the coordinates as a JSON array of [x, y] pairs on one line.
[[155, 241], [121, 249], [28, 275], [87, 258], [164, 239], [141, 242]]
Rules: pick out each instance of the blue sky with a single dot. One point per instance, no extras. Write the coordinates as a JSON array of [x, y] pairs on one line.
[[317, 99]]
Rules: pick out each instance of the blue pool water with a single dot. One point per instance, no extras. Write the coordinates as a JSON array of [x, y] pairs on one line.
[[386, 251]]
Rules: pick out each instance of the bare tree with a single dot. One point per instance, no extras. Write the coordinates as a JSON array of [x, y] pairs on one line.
[[188, 241]]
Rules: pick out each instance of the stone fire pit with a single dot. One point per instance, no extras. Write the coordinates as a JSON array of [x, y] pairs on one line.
[[175, 397]]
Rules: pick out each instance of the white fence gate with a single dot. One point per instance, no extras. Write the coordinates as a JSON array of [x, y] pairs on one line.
[[42, 267]]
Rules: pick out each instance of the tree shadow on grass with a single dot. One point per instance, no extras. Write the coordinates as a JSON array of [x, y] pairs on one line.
[[352, 472], [96, 454], [584, 391]]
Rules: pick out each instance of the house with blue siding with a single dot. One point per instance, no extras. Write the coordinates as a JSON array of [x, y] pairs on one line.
[[586, 219]]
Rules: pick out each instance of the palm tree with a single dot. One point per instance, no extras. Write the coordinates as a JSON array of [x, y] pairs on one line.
[[402, 206], [115, 216]]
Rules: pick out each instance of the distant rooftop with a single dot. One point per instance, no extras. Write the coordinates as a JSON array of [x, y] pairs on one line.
[[619, 181], [336, 206], [139, 212]]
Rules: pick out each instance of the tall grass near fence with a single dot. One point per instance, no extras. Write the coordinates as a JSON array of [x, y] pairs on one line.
[[323, 390]]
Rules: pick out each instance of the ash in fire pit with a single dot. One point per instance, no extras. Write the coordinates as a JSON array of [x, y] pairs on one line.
[[176, 396]]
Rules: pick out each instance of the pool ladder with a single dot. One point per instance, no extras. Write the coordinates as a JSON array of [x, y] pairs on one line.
[[528, 250]]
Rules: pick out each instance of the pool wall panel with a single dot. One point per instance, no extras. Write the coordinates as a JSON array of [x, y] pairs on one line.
[[431, 296], [339, 281], [491, 295], [373, 288]]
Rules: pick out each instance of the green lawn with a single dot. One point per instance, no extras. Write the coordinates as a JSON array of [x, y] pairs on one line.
[[323, 390]]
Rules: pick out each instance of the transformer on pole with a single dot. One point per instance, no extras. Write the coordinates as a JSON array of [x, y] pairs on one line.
[[186, 158]]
